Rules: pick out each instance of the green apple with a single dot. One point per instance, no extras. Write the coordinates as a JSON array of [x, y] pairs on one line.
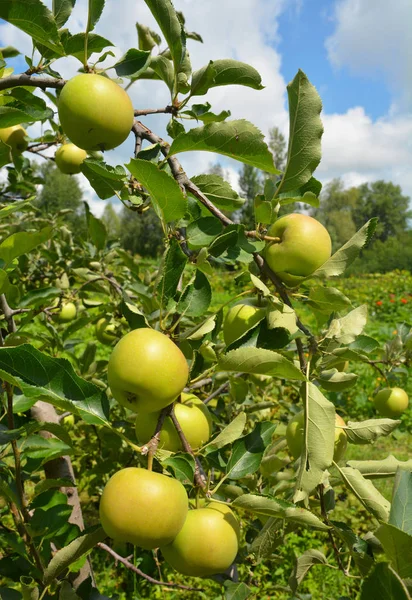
[[69, 158], [391, 402], [295, 436], [67, 312], [242, 317], [146, 371], [194, 419], [144, 508], [15, 137], [304, 246], [105, 331], [206, 545], [95, 113]]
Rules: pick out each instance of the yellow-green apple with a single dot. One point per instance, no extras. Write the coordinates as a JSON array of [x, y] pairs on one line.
[[15, 137], [391, 402], [95, 113], [69, 158], [295, 436], [244, 315], [144, 508], [67, 312], [304, 246], [194, 419], [206, 545], [105, 331], [146, 371]]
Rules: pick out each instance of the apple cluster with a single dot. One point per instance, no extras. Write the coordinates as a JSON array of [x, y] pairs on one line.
[[146, 373]]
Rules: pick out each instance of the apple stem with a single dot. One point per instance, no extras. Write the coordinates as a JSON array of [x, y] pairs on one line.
[[199, 479], [151, 446]]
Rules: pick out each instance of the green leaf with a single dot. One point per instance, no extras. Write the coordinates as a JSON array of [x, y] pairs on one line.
[[202, 232], [69, 554], [358, 547], [48, 484], [4, 281], [104, 179], [163, 69], [260, 361], [229, 434], [398, 548], [383, 583], [218, 191], [22, 242], [35, 19], [247, 452], [237, 139], [74, 45], [95, 12], [67, 592], [182, 465], [302, 565], [333, 380], [200, 330], [22, 106], [367, 432], [327, 299], [148, 39], [236, 590], [366, 492], [132, 314], [196, 298], [5, 154], [319, 436], [174, 263], [62, 10], [97, 229], [305, 132], [307, 193], [45, 449], [376, 469], [268, 539], [53, 380], [228, 239], [165, 193], [340, 261], [17, 206], [401, 508], [132, 63], [261, 505], [224, 72], [202, 79], [39, 297], [346, 329], [9, 51], [173, 128], [167, 19]]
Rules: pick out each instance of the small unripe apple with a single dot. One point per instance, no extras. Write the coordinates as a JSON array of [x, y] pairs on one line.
[[15, 137], [244, 315], [146, 371], [391, 402], [67, 312], [206, 545], [95, 113], [304, 246], [144, 508], [194, 419], [105, 331], [69, 158], [295, 436]]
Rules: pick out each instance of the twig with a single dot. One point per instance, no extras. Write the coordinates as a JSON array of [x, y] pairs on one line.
[[155, 111], [7, 312], [31, 80], [330, 534], [136, 570], [199, 481], [151, 446], [222, 388]]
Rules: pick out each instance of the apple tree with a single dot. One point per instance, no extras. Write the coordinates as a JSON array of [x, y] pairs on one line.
[[180, 452]]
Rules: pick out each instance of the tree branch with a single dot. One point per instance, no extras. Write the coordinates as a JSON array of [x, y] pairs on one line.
[[151, 446], [130, 566], [199, 481], [30, 80], [155, 111]]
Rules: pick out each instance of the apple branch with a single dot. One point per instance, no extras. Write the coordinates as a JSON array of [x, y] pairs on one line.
[[151, 446], [199, 481], [136, 570], [31, 80]]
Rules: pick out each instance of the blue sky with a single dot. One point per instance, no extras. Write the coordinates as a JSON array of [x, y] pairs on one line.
[[358, 53]]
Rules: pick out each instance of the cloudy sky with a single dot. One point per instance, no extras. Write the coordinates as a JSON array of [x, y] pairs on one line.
[[358, 53]]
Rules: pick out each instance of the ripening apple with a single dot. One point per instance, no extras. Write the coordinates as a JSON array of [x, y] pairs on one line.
[[144, 508], [242, 317], [105, 331], [15, 137], [206, 545], [304, 246], [194, 419], [146, 371], [295, 436], [69, 158], [95, 113], [67, 312], [391, 402]]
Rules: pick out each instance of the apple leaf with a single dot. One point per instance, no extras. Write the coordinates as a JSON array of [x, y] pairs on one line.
[[303, 563], [35, 19], [133, 62], [229, 434], [366, 493], [346, 329], [218, 191], [376, 469], [305, 132], [319, 436], [224, 72], [401, 508], [97, 229], [237, 139], [367, 432], [5, 153], [162, 69], [398, 548], [247, 452], [196, 297], [182, 466], [260, 361], [165, 193], [17, 206], [236, 590], [23, 107], [53, 380], [95, 12], [74, 44], [385, 584], [333, 380], [168, 21], [327, 299], [173, 266], [4, 281], [62, 10], [22, 242], [269, 538], [203, 231], [104, 179], [338, 262]]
